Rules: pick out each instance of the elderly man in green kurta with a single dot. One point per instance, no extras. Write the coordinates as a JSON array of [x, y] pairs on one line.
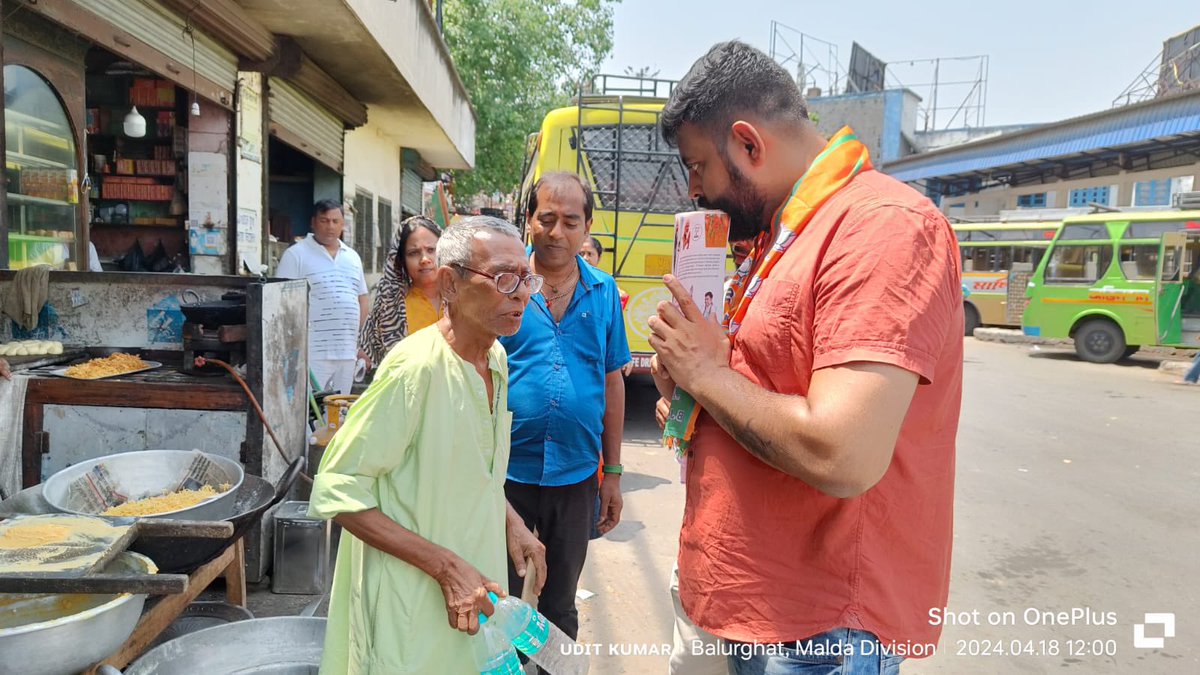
[[416, 476]]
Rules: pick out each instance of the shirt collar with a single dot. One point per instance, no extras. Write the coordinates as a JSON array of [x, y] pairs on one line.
[[587, 273], [341, 244]]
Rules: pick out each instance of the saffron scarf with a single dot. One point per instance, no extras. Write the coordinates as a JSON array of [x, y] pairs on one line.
[[843, 158]]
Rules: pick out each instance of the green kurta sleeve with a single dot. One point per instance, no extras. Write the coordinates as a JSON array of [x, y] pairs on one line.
[[375, 439]]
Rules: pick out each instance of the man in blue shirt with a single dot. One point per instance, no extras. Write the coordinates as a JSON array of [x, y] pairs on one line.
[[566, 394]]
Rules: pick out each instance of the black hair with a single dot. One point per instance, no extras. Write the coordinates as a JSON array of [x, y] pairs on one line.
[[732, 79], [325, 205], [557, 178], [708, 294], [407, 228], [598, 246]]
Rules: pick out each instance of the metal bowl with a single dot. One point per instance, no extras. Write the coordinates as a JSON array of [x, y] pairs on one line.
[[200, 615], [145, 473], [63, 634], [284, 645], [178, 555]]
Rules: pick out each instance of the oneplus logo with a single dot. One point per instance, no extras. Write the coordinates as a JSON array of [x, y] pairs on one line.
[[1166, 620]]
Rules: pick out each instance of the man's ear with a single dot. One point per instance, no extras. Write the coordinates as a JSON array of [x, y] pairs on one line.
[[747, 142], [447, 283]]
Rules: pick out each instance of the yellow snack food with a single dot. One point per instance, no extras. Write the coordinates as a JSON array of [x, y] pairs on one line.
[[172, 501], [106, 367], [29, 535]]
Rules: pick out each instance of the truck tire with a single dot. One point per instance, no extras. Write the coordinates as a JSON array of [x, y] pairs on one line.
[[1100, 341], [970, 319]]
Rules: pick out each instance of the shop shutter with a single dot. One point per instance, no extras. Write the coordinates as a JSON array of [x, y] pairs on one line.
[[164, 31], [410, 192], [302, 123]]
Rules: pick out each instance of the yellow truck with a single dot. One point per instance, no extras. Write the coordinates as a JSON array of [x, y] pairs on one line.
[[610, 138]]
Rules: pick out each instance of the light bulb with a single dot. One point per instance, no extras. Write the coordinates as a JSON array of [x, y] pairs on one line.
[[195, 109], [135, 124]]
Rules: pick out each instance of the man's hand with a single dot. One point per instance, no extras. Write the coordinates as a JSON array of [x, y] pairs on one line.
[[663, 381], [522, 545], [4, 370], [684, 342], [610, 502], [366, 359], [465, 589], [661, 410]]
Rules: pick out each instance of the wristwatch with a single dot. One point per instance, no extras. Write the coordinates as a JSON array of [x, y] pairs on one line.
[[614, 469]]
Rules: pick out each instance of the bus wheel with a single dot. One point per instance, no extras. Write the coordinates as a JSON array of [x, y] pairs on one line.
[[970, 319], [1100, 341]]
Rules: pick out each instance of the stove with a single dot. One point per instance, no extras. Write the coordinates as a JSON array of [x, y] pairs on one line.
[[227, 343]]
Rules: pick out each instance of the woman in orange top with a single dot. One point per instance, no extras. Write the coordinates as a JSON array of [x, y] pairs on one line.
[[406, 299]]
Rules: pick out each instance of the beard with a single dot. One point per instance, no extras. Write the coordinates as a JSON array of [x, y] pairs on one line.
[[743, 202]]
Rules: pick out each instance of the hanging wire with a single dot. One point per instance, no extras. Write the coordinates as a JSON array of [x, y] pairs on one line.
[[190, 33]]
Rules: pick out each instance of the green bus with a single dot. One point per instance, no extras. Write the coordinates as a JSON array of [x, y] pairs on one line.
[[1117, 281], [991, 252]]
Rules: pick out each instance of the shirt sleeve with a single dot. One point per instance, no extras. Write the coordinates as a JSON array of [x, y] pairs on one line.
[[888, 290], [617, 343], [361, 282], [378, 433], [289, 265]]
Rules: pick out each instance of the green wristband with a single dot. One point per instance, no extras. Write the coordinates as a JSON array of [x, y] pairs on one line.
[[616, 469]]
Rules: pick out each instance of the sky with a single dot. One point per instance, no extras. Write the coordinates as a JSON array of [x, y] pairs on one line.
[[1048, 60]]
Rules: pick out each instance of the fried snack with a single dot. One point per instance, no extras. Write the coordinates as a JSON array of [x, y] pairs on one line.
[[29, 535], [108, 366], [172, 501]]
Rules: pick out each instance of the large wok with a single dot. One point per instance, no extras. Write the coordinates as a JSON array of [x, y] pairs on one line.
[[282, 645], [182, 556], [64, 634], [148, 472], [254, 498]]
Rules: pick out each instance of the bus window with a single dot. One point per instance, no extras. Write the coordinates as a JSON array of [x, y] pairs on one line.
[[1030, 255], [1084, 231], [1139, 261], [1002, 258], [1170, 266], [1153, 230], [981, 259], [1078, 264]]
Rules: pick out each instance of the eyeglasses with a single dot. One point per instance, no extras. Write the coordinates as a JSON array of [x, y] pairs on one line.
[[507, 282]]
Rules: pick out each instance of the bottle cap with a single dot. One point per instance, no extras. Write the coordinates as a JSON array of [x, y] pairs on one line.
[[483, 617]]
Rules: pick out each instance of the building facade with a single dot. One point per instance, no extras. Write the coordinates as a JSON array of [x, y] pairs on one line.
[[194, 136], [1137, 156]]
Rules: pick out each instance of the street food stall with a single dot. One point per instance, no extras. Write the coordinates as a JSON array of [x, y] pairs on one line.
[[124, 367], [167, 320]]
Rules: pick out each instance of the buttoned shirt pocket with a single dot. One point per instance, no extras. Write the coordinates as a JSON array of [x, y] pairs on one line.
[[767, 337]]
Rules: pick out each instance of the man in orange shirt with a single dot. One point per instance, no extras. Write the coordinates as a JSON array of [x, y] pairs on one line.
[[820, 474]]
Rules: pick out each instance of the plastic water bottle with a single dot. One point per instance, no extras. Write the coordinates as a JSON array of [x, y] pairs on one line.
[[537, 638], [493, 652]]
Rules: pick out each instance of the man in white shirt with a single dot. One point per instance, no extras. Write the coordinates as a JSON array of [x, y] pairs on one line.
[[337, 296]]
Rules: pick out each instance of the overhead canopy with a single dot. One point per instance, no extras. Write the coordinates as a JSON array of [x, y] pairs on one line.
[[1158, 133]]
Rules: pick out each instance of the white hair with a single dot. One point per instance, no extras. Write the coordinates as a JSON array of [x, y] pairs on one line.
[[454, 246]]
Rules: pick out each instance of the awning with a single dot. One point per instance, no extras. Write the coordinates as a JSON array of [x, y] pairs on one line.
[[1134, 137]]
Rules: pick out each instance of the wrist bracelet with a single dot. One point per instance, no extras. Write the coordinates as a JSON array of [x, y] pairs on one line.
[[616, 469]]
